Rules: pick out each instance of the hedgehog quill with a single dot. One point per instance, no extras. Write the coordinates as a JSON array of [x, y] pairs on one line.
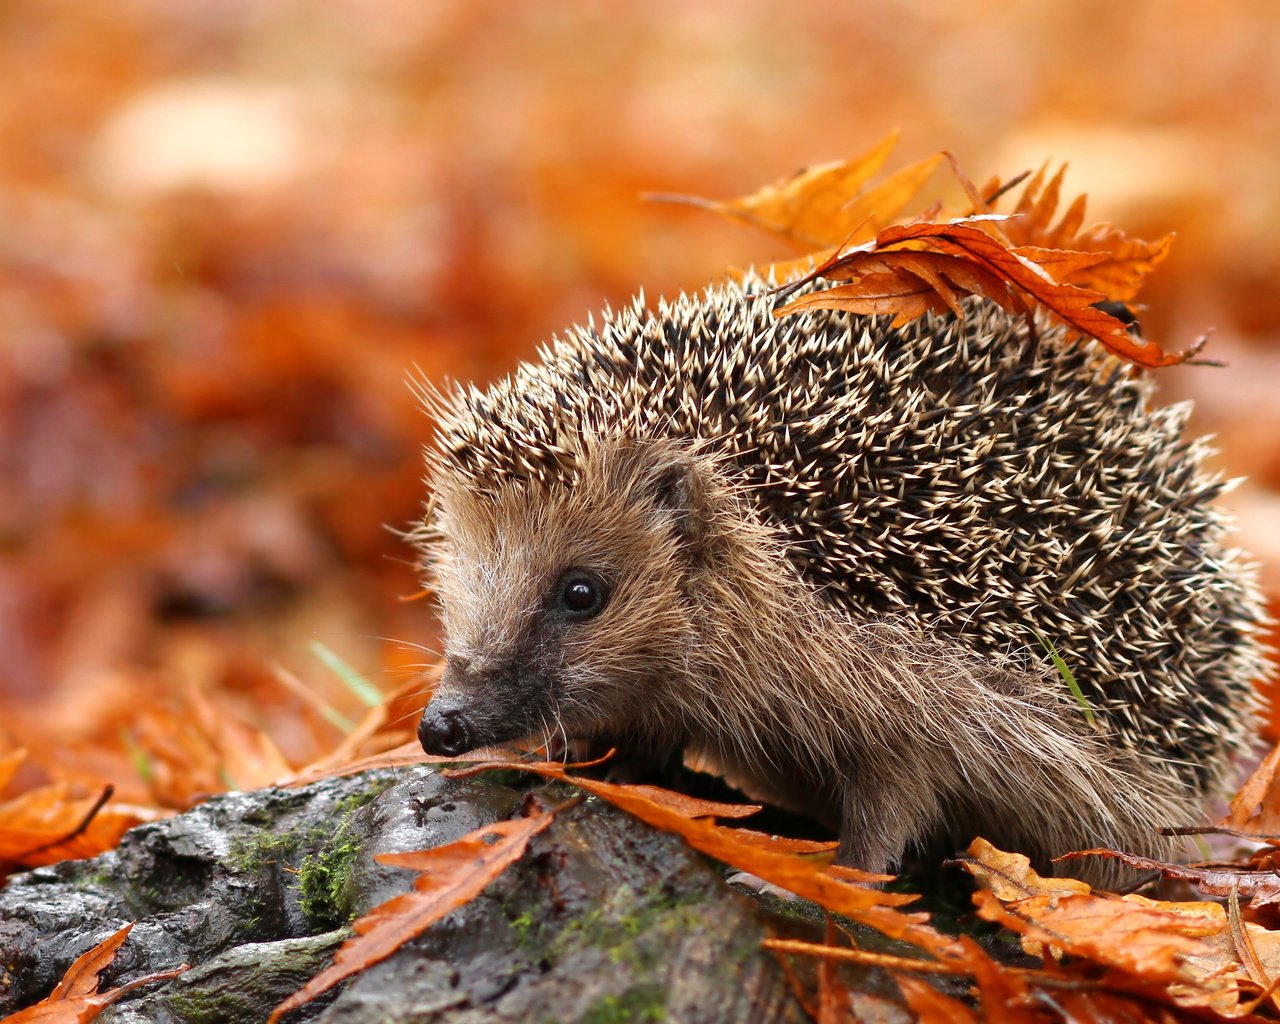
[[817, 551]]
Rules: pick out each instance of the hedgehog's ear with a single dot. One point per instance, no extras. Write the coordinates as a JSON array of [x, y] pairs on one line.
[[678, 487]]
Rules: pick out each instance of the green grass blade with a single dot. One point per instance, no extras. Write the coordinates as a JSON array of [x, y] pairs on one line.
[[353, 680], [1067, 676]]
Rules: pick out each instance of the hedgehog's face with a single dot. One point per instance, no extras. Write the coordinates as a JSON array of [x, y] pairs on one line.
[[565, 607]]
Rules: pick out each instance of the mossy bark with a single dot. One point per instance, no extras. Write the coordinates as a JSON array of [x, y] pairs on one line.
[[604, 921]]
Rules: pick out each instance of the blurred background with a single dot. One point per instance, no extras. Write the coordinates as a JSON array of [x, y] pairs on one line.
[[228, 230]]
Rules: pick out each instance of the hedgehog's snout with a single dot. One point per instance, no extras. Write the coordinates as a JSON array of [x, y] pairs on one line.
[[444, 731], [445, 728], [475, 705]]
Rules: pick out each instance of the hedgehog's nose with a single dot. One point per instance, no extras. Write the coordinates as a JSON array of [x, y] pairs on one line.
[[444, 732]]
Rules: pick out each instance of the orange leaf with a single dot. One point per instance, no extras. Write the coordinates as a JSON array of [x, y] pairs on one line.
[[451, 875], [861, 217], [1259, 798], [996, 271], [46, 825], [1122, 264], [775, 861], [692, 806], [1185, 951], [1062, 263], [81, 978], [9, 765], [833, 994], [1128, 262], [779, 861], [824, 205], [1003, 991], [906, 283], [1006, 258], [76, 998], [1032, 220], [1150, 941], [898, 293], [929, 1005]]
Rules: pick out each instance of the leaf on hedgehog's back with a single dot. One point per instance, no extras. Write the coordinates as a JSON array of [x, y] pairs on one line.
[[975, 260], [906, 284], [934, 262], [824, 205], [1119, 263]]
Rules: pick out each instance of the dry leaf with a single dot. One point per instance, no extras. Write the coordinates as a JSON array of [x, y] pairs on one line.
[[1256, 807], [9, 765], [46, 825], [1262, 888], [975, 260], [1185, 952], [825, 205], [929, 1005], [451, 875], [1121, 264], [931, 264], [775, 860], [76, 998]]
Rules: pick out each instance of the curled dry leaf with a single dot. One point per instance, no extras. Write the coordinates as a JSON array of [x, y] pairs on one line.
[[1256, 807], [1023, 260], [1009, 876], [1185, 952], [1121, 264], [1261, 888], [973, 261], [76, 998], [824, 206], [790, 864], [775, 860]]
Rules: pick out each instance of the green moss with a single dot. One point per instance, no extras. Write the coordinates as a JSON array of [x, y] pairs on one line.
[[322, 879], [638, 1005], [378, 785], [631, 929], [99, 879], [264, 849], [323, 872], [202, 1007], [523, 926]]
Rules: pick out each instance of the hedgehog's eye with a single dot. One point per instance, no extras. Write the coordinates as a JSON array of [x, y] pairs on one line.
[[582, 595]]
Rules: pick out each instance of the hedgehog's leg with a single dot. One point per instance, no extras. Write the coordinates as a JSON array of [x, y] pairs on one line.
[[881, 817]]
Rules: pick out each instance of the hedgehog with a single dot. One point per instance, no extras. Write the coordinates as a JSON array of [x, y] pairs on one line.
[[828, 555]]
